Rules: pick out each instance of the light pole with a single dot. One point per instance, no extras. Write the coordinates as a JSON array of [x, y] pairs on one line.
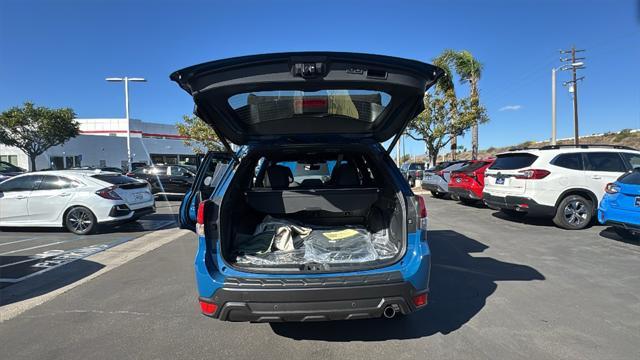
[[126, 108], [553, 96]]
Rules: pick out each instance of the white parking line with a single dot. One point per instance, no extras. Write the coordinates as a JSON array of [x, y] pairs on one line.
[[19, 241], [37, 247]]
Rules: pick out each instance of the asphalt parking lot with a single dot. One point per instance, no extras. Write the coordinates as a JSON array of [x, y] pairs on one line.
[[29, 252], [500, 289]]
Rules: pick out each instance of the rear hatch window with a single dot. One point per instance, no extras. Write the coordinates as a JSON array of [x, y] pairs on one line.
[[631, 178], [473, 166], [513, 161], [122, 181], [264, 106]]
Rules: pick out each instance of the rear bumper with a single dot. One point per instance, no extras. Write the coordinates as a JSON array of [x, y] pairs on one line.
[[435, 186], [464, 193], [518, 203], [328, 302], [121, 213]]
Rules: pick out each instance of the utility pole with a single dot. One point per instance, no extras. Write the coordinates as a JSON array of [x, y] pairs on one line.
[[575, 65], [553, 106]]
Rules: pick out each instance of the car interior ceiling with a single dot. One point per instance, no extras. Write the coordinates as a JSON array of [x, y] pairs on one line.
[[369, 203]]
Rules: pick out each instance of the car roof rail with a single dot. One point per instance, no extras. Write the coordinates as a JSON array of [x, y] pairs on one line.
[[586, 146]]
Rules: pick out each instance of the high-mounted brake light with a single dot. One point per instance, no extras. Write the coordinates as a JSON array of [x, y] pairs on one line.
[[611, 188], [532, 174], [109, 193], [208, 308]]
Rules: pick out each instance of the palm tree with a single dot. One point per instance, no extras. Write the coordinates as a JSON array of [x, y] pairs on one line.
[[446, 85], [470, 70]]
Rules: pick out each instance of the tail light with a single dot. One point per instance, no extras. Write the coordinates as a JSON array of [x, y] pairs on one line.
[[532, 174], [612, 188], [420, 300], [200, 218], [129, 173], [422, 213], [208, 308], [109, 193]]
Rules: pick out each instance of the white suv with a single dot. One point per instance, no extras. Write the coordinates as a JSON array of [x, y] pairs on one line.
[[563, 182]]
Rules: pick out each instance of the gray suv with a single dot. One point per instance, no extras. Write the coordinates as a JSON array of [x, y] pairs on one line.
[[437, 178]]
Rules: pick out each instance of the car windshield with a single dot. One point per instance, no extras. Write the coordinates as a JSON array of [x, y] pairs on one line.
[[264, 106], [7, 167]]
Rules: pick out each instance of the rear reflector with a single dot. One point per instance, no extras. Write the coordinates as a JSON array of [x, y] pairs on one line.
[[208, 308], [420, 300]]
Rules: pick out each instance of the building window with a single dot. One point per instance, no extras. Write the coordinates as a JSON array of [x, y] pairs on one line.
[[57, 163]]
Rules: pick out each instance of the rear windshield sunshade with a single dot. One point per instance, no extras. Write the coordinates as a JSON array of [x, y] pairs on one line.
[[513, 161]]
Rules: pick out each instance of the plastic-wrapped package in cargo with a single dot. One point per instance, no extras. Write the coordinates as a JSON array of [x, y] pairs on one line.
[[339, 245], [320, 245]]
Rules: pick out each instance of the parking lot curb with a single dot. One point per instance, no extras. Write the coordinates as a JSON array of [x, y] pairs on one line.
[[109, 259]]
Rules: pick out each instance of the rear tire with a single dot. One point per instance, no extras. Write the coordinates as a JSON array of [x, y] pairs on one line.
[[513, 213], [437, 195], [80, 220], [627, 234], [468, 201], [573, 213]]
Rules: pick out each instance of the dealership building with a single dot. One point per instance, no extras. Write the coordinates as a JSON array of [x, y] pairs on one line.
[[103, 142]]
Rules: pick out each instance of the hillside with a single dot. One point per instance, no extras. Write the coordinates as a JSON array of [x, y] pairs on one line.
[[626, 137]]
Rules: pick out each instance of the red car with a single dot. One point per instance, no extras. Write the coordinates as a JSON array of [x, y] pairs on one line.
[[467, 182]]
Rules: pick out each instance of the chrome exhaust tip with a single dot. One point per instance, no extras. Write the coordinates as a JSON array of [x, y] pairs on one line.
[[389, 312]]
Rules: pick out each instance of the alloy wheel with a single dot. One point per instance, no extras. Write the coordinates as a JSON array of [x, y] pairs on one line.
[[80, 220], [576, 213]]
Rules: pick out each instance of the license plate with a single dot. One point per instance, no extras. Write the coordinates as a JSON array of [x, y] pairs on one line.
[[500, 181], [637, 201], [138, 196]]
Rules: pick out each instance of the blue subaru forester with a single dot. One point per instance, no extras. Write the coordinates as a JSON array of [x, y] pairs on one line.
[[309, 219]]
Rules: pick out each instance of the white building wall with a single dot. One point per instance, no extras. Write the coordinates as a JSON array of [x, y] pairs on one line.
[[107, 141]]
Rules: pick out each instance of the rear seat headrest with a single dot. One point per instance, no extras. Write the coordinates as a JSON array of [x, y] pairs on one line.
[[345, 175], [279, 176]]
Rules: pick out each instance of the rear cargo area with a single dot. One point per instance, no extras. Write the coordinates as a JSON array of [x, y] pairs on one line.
[[319, 212]]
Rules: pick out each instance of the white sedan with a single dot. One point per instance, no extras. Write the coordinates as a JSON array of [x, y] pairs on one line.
[[75, 199]]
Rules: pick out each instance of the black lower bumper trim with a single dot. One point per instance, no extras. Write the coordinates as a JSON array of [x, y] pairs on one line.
[[463, 193], [312, 304], [518, 203], [627, 226]]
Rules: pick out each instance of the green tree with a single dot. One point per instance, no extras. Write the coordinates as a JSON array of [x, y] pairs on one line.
[[442, 119], [200, 137], [470, 70], [34, 129]]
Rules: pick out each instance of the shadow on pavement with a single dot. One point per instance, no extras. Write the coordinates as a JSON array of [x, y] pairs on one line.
[[460, 286], [611, 234], [527, 220], [46, 282]]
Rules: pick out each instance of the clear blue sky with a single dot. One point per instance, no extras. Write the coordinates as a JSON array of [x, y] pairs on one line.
[[57, 53]]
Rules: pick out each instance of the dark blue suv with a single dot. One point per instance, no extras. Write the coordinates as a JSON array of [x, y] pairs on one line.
[[309, 219]]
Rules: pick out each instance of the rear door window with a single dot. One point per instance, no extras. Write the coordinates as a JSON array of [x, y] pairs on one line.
[[513, 161], [571, 161], [605, 161], [416, 167], [50, 182]]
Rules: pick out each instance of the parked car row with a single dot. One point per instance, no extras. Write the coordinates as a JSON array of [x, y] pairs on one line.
[[570, 184], [78, 200]]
